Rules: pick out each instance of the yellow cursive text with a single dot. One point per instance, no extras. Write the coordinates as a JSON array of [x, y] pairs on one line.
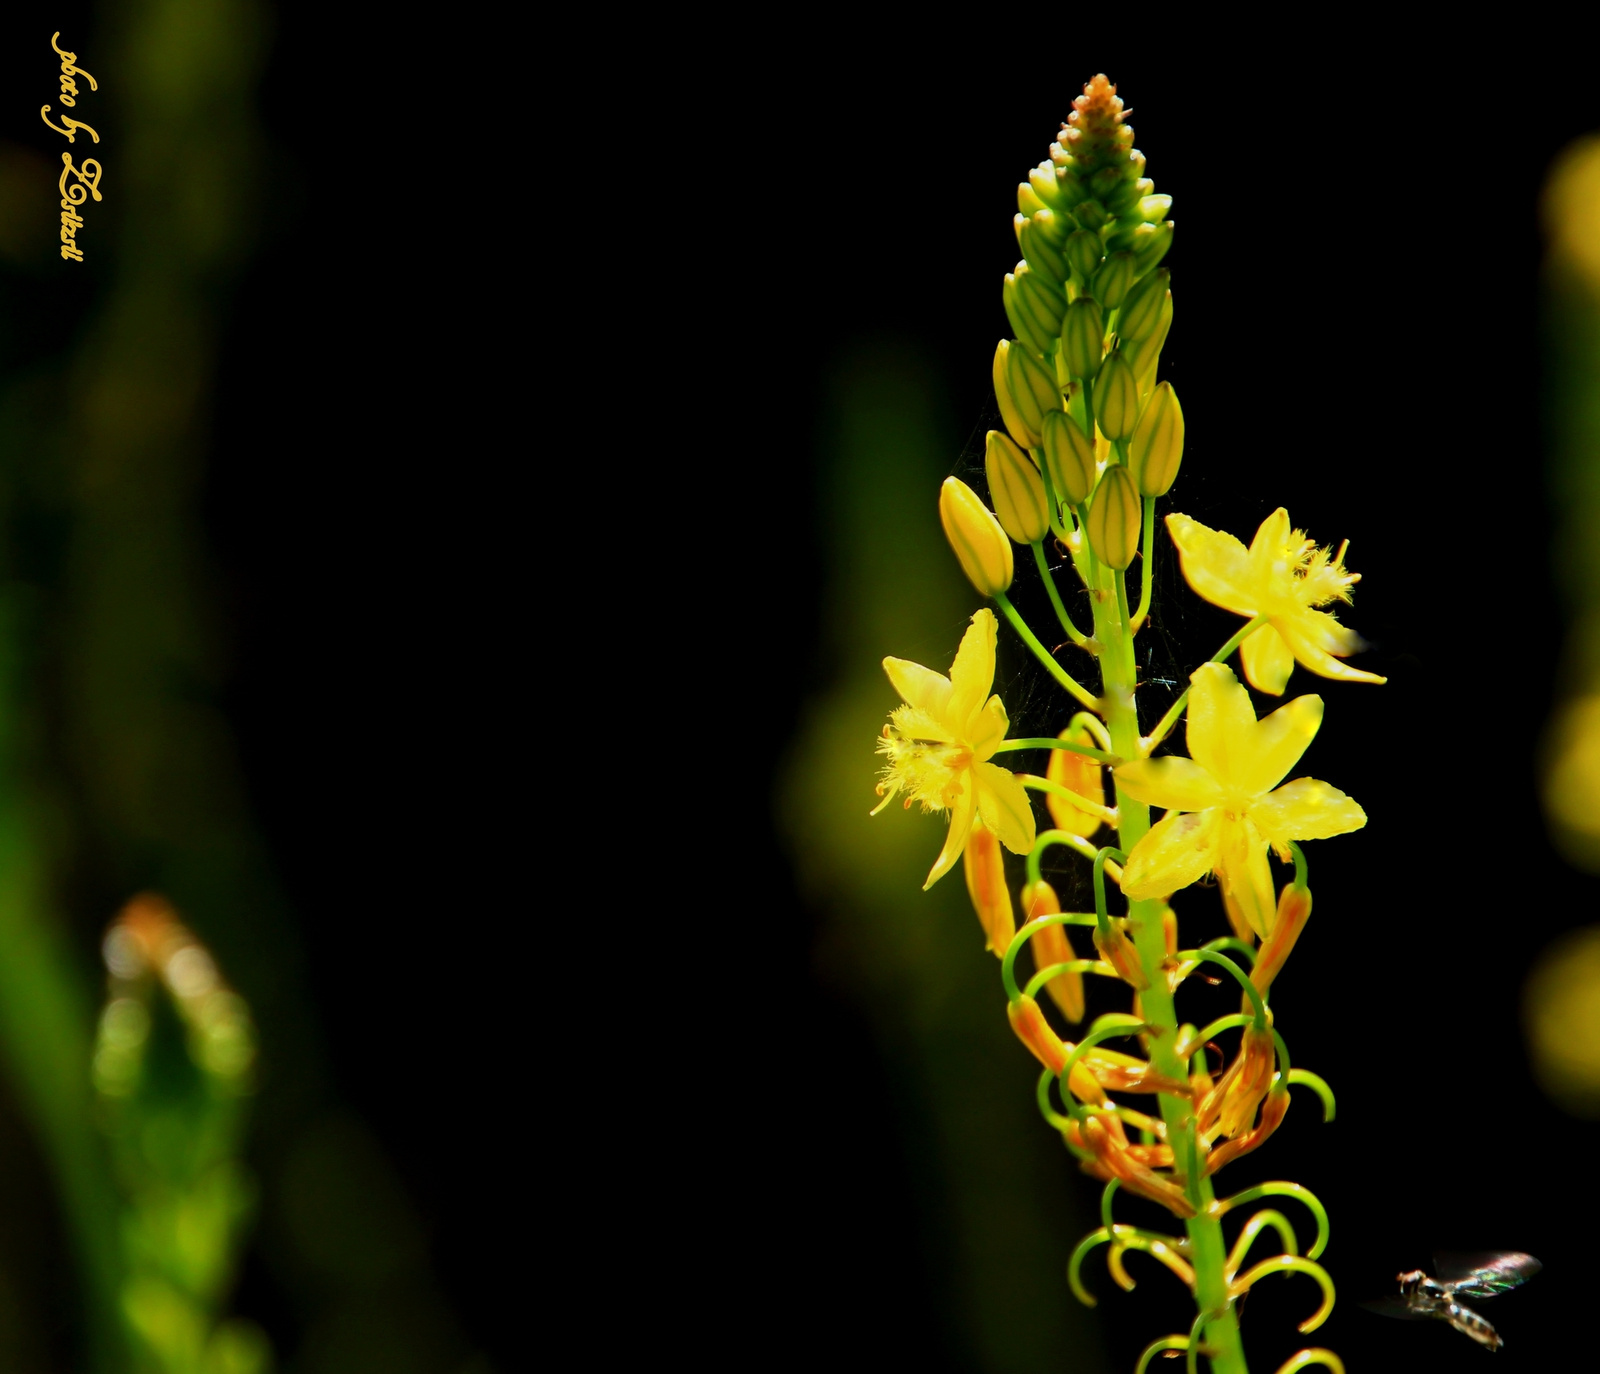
[[84, 179]]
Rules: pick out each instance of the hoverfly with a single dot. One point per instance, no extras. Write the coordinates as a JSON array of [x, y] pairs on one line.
[[1478, 1275]]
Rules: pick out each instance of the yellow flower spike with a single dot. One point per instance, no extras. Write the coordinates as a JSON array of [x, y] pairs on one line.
[[1017, 489], [1070, 457], [1225, 804], [940, 741], [975, 535], [1077, 774], [1114, 516], [1285, 577], [986, 884]]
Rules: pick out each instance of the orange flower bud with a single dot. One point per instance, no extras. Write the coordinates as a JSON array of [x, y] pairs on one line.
[[1231, 1105], [1027, 1020], [986, 884], [1272, 1113], [1125, 1073], [1118, 951], [1077, 774], [1294, 909], [1105, 1139], [1050, 945]]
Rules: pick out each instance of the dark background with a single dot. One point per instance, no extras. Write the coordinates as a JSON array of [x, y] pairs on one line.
[[1357, 337]]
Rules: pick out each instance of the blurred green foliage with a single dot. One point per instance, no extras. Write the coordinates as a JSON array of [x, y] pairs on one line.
[[999, 1201], [118, 773]]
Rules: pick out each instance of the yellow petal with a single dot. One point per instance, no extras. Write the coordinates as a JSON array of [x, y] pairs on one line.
[[1216, 565], [1176, 852], [1314, 637], [1003, 804], [1245, 875], [915, 724], [962, 810], [988, 728], [1222, 723], [972, 674], [1276, 745], [1174, 783], [1306, 809], [920, 687], [1270, 548], [1267, 660]]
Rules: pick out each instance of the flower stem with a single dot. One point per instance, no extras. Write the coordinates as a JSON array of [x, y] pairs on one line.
[[1147, 557], [1060, 674], [1093, 808], [1047, 742], [1074, 633]]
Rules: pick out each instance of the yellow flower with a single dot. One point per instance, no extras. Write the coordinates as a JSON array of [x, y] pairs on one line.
[[940, 742], [1283, 576], [1225, 805]]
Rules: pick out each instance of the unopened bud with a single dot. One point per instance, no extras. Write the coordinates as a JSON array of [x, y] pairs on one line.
[[1083, 253], [1116, 399], [1157, 447], [1050, 946], [1042, 298], [1052, 227], [1028, 201], [1069, 456], [1017, 489], [1021, 318], [1153, 209], [1090, 214], [1027, 1020], [1119, 951], [1042, 181], [1042, 255], [1150, 247], [986, 884], [1010, 412], [1145, 354], [1141, 307], [1294, 910], [1083, 337], [1114, 519], [1077, 774], [1111, 282], [980, 544], [1033, 388]]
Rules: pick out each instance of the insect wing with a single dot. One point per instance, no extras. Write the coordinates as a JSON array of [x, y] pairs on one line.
[[1484, 1273], [1398, 1307]]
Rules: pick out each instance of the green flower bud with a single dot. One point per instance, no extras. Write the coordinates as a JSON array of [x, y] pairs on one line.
[[1149, 248], [1083, 336], [1042, 180], [1147, 352], [1009, 411], [1022, 322], [1069, 457], [1033, 390], [1153, 209], [1112, 281], [1116, 399], [1113, 518], [1090, 214], [1053, 227], [1083, 253], [1027, 201], [1017, 489], [1157, 446], [1042, 298], [1042, 256], [1141, 307], [980, 544]]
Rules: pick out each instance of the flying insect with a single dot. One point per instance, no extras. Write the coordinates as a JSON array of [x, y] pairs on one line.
[[1479, 1275]]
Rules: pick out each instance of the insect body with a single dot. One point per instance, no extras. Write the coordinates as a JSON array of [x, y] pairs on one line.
[[1473, 1276]]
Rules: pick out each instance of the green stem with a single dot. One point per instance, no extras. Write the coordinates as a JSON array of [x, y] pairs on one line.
[[1035, 783], [1176, 709], [1045, 742], [1147, 555], [1060, 674], [1207, 1250], [1073, 632]]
